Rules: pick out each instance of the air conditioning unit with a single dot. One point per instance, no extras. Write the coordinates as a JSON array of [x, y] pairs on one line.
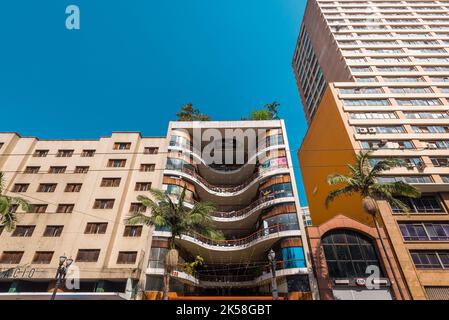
[[362, 130], [409, 165], [375, 147], [392, 145], [431, 146], [372, 130], [383, 142]]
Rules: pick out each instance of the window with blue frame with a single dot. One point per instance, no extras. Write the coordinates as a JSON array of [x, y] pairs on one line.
[[293, 257]]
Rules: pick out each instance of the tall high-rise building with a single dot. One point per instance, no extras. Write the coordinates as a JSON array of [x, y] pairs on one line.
[[374, 75], [82, 191]]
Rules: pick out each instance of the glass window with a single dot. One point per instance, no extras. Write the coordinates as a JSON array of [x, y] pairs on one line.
[[348, 254], [425, 204]]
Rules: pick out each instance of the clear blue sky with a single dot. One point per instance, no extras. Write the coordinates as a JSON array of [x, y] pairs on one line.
[[135, 62]]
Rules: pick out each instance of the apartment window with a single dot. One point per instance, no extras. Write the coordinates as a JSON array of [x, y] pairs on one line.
[[426, 115], [396, 69], [39, 208], [23, 231], [64, 153], [96, 228], [424, 231], [418, 102], [137, 207], [143, 186], [378, 144], [440, 144], [132, 231], [47, 187], [360, 90], [390, 59], [122, 145], [439, 161], [425, 204], [11, 257], [366, 102], [147, 167], [73, 187], [110, 182], [104, 204], [432, 59], [372, 115], [436, 68], [430, 129], [81, 169], [411, 90], [13, 208], [57, 170], [439, 79], [365, 79], [42, 257], [403, 79], [20, 187], [406, 179], [65, 208], [40, 153], [360, 69], [430, 259], [32, 170], [127, 257], [378, 129], [88, 255], [116, 163], [151, 150], [53, 231], [88, 153]]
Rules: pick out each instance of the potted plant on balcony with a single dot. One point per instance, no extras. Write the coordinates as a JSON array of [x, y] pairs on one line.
[[180, 220], [363, 180]]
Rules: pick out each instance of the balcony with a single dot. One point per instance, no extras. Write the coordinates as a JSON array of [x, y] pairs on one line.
[[225, 194], [228, 281], [214, 174], [232, 250]]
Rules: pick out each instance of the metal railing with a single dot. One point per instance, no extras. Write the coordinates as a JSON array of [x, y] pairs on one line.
[[226, 188], [242, 212], [260, 234]]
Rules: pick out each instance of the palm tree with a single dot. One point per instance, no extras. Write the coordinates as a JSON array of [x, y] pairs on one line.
[[174, 216], [362, 180], [8, 217]]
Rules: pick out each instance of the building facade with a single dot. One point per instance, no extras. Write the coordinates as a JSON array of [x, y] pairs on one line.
[[257, 210], [81, 192], [375, 75]]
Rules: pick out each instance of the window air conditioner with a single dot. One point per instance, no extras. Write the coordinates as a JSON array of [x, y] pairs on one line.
[[362, 130], [431, 146], [372, 130]]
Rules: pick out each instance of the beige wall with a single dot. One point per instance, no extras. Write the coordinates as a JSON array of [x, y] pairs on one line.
[[20, 152]]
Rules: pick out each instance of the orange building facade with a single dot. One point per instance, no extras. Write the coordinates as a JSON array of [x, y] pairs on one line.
[[373, 77]]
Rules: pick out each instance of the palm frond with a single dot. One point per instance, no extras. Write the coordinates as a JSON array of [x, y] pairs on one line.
[[345, 191]]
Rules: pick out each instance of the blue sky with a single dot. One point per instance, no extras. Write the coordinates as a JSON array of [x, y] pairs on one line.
[[135, 62]]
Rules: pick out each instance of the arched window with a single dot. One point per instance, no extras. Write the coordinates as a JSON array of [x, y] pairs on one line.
[[348, 254]]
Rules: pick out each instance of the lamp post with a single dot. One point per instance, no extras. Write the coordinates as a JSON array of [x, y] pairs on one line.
[[274, 286], [64, 265]]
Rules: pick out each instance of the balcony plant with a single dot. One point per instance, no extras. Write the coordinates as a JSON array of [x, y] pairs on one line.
[[362, 180], [8, 217], [180, 220]]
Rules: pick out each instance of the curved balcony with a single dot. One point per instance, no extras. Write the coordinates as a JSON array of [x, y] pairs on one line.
[[224, 194], [232, 250], [214, 174], [217, 281]]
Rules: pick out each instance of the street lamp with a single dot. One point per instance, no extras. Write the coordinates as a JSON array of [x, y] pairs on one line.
[[274, 286], [64, 265]]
